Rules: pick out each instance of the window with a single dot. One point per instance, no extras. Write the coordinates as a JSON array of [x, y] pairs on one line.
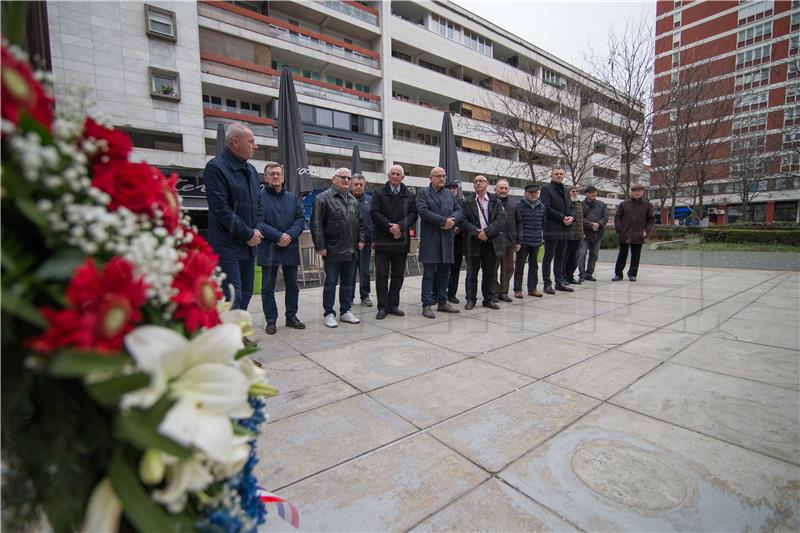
[[164, 84], [792, 136], [323, 117], [230, 105], [154, 140], [401, 55], [754, 78], [754, 10], [792, 70], [794, 23], [213, 102], [754, 34], [401, 133], [676, 59], [431, 66], [427, 138], [371, 126], [676, 20], [790, 162], [306, 113], [751, 101], [794, 44], [792, 93], [753, 56], [250, 109], [791, 115], [674, 77], [341, 121], [750, 123], [160, 23], [551, 77], [748, 145], [676, 39]]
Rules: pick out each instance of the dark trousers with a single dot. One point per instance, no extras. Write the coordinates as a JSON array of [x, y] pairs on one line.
[[529, 255], [363, 267], [269, 274], [571, 259], [553, 255], [389, 265], [343, 273], [622, 258], [240, 273], [455, 268], [586, 266], [485, 262], [505, 264], [434, 274]]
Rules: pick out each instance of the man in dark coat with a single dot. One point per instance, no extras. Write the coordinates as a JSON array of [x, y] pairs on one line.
[[393, 211], [233, 197], [484, 220], [633, 221], [556, 231], [512, 240], [595, 218], [338, 236], [575, 239], [439, 212], [282, 221], [357, 184], [534, 216]]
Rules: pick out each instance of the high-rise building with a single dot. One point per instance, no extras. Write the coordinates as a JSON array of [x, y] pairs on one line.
[[727, 101], [376, 75]]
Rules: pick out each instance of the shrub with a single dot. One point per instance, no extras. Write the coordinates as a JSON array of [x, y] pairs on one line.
[[789, 237], [669, 233], [610, 239]]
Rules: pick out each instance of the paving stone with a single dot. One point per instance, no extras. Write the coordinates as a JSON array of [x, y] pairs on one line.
[[470, 336], [271, 348], [769, 333], [529, 318], [317, 336], [661, 344], [494, 506], [615, 470], [445, 392], [391, 489], [305, 444], [379, 361], [499, 432], [542, 355], [763, 312], [575, 306], [608, 294], [605, 375], [603, 332], [760, 417]]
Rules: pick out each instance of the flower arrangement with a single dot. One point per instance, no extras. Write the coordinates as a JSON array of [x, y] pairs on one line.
[[128, 398]]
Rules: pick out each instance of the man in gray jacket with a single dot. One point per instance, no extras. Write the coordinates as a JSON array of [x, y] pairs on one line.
[[595, 217], [512, 240]]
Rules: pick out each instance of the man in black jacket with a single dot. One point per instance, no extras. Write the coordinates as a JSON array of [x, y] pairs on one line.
[[357, 186], [595, 217], [512, 240], [484, 220], [557, 230], [393, 211]]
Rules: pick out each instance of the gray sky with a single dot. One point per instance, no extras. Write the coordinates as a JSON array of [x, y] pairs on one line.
[[563, 28]]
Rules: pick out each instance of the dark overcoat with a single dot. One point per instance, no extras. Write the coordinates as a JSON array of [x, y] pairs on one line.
[[633, 218], [434, 208], [555, 198], [472, 225], [282, 213], [389, 208]]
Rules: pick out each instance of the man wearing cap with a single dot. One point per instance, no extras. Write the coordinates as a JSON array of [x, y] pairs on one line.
[[439, 213], [575, 239], [512, 240], [533, 215], [633, 221], [595, 217], [557, 231]]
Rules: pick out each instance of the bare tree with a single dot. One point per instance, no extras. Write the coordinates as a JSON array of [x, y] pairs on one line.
[[749, 163]]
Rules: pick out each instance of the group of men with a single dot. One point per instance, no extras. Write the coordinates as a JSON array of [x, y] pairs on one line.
[[496, 235]]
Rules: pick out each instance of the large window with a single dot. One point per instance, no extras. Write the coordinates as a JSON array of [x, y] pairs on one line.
[[551, 77], [323, 117], [160, 23], [754, 10], [328, 118], [791, 116], [751, 101], [753, 56], [792, 93], [754, 34], [750, 123], [754, 78], [450, 30]]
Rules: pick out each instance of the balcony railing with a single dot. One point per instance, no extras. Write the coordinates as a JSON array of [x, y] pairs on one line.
[[278, 29], [248, 72], [354, 9]]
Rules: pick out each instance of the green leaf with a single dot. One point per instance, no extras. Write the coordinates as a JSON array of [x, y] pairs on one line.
[[22, 309], [137, 428], [61, 266], [77, 363], [109, 391], [14, 14], [27, 123], [247, 350], [139, 508], [32, 213]]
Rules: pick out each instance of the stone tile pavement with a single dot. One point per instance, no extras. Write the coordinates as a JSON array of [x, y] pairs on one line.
[[672, 403]]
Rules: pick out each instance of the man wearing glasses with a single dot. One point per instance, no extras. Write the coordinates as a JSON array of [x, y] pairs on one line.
[[338, 235]]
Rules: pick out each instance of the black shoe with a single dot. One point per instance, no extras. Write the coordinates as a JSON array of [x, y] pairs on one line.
[[563, 288], [491, 305], [271, 329], [453, 300], [395, 311], [589, 277], [381, 314], [616, 278], [294, 323], [549, 289], [632, 278], [427, 312], [469, 306], [366, 302], [248, 343], [574, 281], [505, 298], [446, 308]]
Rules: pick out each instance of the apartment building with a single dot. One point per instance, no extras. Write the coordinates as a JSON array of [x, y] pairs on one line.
[[376, 75], [750, 52]]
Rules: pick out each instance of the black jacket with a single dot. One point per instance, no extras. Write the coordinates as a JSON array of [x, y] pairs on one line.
[[472, 225], [363, 204], [336, 225], [513, 228], [555, 198], [389, 208], [594, 212]]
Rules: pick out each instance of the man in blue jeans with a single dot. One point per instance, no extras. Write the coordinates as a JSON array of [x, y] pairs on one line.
[[338, 236], [282, 222], [365, 257]]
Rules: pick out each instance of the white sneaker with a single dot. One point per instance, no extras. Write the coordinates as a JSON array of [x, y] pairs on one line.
[[350, 318], [330, 321]]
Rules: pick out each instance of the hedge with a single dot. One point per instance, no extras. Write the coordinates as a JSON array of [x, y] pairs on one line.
[[610, 239], [789, 237], [778, 226]]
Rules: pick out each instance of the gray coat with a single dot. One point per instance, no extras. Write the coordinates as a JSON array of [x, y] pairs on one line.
[[434, 208], [513, 230], [594, 212]]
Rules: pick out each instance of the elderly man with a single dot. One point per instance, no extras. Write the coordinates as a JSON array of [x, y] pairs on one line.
[[556, 231], [595, 217], [633, 221], [575, 239], [233, 209], [439, 213], [534, 217], [393, 211], [338, 236], [282, 222], [484, 220], [512, 240], [357, 184]]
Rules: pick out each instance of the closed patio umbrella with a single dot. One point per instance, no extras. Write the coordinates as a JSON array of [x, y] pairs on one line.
[[291, 143], [355, 166], [220, 138]]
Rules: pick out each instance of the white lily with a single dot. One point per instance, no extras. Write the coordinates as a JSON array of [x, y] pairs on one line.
[[183, 477], [104, 509]]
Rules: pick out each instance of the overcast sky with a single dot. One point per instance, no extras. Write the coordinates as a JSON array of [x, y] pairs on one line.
[[563, 28]]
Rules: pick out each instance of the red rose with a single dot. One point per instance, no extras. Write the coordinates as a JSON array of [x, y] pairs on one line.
[[199, 244], [23, 94], [115, 145], [197, 293]]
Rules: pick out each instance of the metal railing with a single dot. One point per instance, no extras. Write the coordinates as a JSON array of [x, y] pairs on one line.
[[348, 9]]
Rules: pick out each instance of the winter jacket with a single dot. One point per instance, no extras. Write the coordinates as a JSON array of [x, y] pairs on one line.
[[555, 198], [434, 208], [282, 213], [594, 212], [633, 218], [577, 224], [513, 229], [534, 218], [336, 225], [472, 225], [369, 230], [389, 208]]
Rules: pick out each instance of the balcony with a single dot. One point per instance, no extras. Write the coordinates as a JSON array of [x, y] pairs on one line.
[[226, 67], [278, 29], [353, 9]]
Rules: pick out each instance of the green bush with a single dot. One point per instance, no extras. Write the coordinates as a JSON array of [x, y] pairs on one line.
[[782, 226], [789, 237], [665, 232], [610, 239]]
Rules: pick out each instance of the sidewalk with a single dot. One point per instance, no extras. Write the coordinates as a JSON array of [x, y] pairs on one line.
[[666, 404]]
